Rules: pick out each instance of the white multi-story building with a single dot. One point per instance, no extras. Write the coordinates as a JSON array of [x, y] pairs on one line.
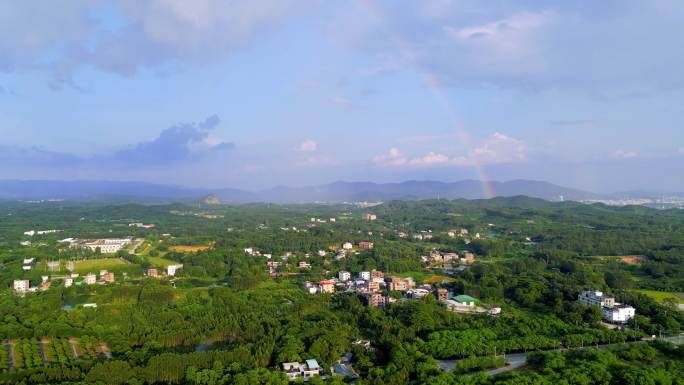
[[106, 246], [171, 269], [596, 298], [347, 246], [21, 285], [344, 276], [68, 282], [611, 311], [365, 275], [618, 313]]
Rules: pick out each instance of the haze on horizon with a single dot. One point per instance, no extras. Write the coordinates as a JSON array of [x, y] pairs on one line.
[[253, 94]]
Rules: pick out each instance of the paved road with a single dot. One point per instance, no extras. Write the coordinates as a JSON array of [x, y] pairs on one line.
[[518, 360]]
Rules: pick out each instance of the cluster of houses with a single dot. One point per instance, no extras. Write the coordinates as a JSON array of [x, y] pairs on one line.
[[611, 311], [305, 370], [441, 260], [31, 233], [142, 225], [22, 286]]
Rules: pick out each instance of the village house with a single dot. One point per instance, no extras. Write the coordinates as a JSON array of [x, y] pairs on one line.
[[401, 284], [306, 370], [611, 311], [22, 286], [68, 282], [327, 286], [442, 294], [365, 245], [304, 265], [90, 279], [347, 246], [375, 299], [152, 273], [171, 269], [107, 277], [370, 217], [344, 276]]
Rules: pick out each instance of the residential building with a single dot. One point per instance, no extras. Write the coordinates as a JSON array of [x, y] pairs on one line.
[[596, 298], [327, 286], [304, 265], [306, 370], [152, 273], [465, 300], [22, 285], [373, 286], [347, 246], [366, 245], [375, 299], [468, 258], [68, 282], [442, 294], [108, 277], [344, 276], [618, 313], [90, 279], [171, 269], [419, 293], [365, 275], [376, 274], [322, 253], [370, 217], [401, 284], [611, 311]]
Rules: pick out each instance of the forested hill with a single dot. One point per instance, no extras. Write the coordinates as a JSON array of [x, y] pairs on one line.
[[146, 193]]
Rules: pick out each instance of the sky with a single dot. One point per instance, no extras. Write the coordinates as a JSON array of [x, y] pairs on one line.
[[254, 94]]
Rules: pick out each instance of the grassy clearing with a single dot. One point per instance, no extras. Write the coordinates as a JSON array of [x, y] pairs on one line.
[[661, 296], [94, 265], [160, 261]]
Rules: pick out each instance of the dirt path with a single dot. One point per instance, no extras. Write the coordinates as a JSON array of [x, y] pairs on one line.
[[73, 342], [10, 348]]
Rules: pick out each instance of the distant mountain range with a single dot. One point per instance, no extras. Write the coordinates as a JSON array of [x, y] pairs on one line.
[[140, 192]]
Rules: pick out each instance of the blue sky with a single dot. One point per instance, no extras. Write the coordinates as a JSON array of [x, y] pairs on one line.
[[255, 94]]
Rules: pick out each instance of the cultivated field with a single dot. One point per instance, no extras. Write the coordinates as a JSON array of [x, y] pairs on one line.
[[190, 249]]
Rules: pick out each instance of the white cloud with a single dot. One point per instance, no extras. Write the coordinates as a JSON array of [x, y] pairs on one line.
[[308, 146], [495, 149], [157, 33], [625, 154], [393, 158], [430, 159]]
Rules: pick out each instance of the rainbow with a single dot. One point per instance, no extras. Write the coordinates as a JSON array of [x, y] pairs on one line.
[[437, 91]]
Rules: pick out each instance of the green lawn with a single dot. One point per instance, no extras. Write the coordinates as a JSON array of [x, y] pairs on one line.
[[661, 296], [160, 261], [95, 265]]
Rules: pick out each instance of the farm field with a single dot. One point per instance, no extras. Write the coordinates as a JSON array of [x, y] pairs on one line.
[[190, 249], [661, 296]]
